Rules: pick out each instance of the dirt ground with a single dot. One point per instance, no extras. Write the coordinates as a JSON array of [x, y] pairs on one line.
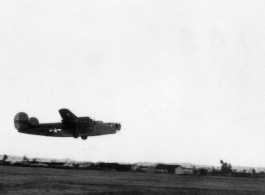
[[27, 180]]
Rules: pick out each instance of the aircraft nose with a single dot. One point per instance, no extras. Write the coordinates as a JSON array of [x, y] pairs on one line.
[[118, 126]]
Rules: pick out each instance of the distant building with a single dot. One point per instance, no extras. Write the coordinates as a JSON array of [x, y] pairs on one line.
[[141, 168], [84, 165], [39, 165], [105, 166], [123, 167], [173, 169], [163, 168], [135, 167], [150, 169], [183, 171]]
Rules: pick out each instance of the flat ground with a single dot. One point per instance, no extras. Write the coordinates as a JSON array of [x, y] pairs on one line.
[[27, 180]]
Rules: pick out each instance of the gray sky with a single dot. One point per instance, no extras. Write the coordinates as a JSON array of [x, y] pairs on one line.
[[186, 79]]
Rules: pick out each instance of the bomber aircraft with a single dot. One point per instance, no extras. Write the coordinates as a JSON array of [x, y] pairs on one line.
[[70, 126]]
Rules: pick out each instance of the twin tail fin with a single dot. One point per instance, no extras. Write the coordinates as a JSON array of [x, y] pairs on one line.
[[22, 121]]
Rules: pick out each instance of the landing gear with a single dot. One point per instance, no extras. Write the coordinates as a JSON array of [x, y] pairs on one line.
[[76, 135], [84, 137]]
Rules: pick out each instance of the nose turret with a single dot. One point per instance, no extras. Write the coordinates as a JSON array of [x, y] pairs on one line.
[[118, 126]]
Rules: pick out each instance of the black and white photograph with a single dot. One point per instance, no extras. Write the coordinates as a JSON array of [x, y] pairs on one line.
[[132, 97]]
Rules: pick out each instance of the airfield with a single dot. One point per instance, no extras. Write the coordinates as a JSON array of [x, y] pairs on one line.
[[39, 180]]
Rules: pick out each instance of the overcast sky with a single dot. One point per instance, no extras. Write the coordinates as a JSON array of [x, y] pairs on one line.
[[186, 79]]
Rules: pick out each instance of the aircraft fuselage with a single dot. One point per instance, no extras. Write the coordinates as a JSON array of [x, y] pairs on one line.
[[71, 126]]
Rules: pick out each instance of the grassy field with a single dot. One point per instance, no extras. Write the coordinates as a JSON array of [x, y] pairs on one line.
[[27, 180]]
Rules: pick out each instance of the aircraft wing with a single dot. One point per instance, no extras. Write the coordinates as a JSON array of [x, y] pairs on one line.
[[67, 115]]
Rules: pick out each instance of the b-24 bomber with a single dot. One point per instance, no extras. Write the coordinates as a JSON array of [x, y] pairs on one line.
[[70, 126]]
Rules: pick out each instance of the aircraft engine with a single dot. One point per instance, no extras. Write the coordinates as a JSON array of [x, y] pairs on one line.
[[21, 121], [33, 121]]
